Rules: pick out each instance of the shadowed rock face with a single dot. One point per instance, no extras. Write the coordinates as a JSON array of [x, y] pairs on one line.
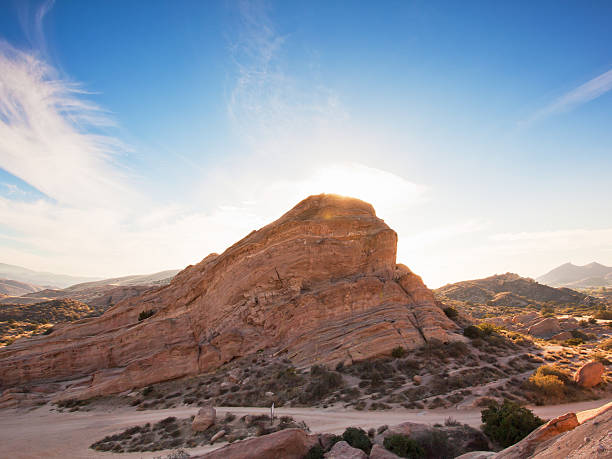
[[320, 285]]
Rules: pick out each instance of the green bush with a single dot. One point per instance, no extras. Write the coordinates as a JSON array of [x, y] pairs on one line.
[[398, 352], [472, 332], [403, 446], [508, 423], [145, 314], [357, 438], [316, 452]]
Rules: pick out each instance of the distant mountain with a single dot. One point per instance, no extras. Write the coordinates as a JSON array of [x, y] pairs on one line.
[[45, 279], [160, 278], [510, 290], [570, 275], [11, 287]]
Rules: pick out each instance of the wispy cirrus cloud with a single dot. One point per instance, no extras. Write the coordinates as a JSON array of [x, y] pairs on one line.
[[584, 93], [53, 138]]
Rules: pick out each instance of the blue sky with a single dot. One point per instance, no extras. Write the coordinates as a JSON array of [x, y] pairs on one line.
[[136, 137]]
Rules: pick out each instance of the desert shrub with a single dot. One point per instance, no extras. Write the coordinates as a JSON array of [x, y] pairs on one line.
[[357, 438], [592, 320], [48, 331], [323, 383], [548, 384], [145, 314], [403, 446], [472, 332], [508, 423], [488, 329], [450, 421], [574, 341], [579, 334], [606, 344], [398, 352], [553, 370], [605, 315], [451, 312]]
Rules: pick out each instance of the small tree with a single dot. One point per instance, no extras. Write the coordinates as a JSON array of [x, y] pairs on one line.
[[508, 423]]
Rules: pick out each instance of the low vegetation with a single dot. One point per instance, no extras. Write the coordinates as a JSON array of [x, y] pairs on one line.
[[508, 423], [170, 433]]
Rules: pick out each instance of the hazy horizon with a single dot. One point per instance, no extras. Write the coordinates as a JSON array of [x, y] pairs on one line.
[[135, 140]]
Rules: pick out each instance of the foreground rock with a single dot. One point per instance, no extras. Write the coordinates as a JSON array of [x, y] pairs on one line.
[[590, 374], [528, 445], [288, 444], [320, 284], [342, 450], [378, 452]]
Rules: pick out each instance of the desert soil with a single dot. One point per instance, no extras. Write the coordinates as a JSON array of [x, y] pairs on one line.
[[46, 433]]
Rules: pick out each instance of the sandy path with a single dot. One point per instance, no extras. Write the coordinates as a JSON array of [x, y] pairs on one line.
[[44, 433]]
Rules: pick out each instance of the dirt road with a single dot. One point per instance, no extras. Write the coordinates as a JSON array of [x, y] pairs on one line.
[[45, 433]]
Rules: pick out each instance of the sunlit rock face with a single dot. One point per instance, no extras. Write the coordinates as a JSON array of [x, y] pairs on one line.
[[318, 285]]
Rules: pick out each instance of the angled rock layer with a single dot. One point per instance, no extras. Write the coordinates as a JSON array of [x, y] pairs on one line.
[[320, 285]]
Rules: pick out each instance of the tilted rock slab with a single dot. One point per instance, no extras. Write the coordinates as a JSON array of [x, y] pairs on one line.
[[320, 285]]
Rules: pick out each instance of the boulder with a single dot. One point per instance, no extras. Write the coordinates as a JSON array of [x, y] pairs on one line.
[[590, 374], [545, 328], [563, 336], [525, 318], [204, 419], [288, 444], [411, 429], [568, 324], [551, 429], [342, 450], [379, 452], [417, 379]]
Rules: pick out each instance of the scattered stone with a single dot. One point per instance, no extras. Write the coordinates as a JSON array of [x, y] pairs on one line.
[[417, 379], [204, 419], [216, 436]]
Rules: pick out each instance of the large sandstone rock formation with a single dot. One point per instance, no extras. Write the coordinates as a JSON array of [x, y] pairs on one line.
[[320, 285]]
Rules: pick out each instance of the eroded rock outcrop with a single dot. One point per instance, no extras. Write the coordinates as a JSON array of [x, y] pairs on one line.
[[320, 285]]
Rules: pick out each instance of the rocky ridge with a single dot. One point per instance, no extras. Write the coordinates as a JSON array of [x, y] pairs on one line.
[[319, 285]]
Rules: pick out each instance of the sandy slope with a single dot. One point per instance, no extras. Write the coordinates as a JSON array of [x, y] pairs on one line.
[[45, 433]]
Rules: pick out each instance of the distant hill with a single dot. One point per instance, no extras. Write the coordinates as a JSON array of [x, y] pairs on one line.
[[45, 279], [11, 287], [160, 278], [573, 276], [510, 290]]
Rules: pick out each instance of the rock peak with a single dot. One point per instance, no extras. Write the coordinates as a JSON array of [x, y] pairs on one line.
[[318, 285]]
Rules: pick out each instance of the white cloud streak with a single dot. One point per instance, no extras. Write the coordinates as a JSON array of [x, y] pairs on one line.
[[48, 134], [584, 93]]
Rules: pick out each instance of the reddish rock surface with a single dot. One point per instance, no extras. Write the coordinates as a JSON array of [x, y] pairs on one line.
[[320, 285], [288, 444], [590, 374]]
